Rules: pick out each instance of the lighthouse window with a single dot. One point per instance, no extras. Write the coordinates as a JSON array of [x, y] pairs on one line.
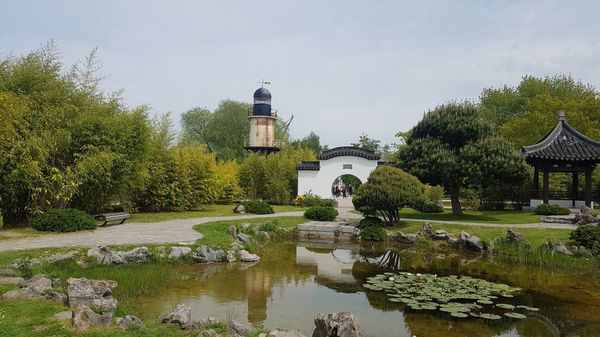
[[347, 167]]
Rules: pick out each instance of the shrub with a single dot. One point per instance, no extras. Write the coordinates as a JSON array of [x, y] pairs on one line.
[[387, 191], [269, 226], [545, 209], [321, 213], [434, 193], [587, 236], [311, 200], [257, 207], [370, 221], [63, 220], [371, 229], [431, 207]]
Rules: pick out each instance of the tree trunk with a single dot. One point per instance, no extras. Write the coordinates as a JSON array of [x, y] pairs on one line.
[[455, 200]]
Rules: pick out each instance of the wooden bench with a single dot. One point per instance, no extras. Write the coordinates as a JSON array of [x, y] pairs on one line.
[[106, 217]]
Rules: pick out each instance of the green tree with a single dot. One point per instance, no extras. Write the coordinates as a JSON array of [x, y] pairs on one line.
[[387, 191], [454, 146], [367, 143], [312, 142], [66, 143]]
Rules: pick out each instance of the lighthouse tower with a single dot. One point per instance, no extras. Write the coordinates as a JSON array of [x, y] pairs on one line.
[[262, 124]]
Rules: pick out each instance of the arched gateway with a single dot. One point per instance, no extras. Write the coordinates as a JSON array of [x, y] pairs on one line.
[[317, 177]]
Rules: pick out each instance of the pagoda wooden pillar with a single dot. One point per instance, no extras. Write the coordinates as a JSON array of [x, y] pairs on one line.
[[546, 185], [575, 186], [588, 186], [536, 182]]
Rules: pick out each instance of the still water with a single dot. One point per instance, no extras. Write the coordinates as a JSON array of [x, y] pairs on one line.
[[294, 281]]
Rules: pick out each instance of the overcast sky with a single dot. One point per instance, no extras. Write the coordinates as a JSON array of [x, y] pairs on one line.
[[340, 67]]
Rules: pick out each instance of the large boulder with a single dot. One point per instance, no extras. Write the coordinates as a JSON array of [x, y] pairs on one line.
[[238, 329], [244, 238], [240, 209], [336, 324], [38, 287], [585, 216], [179, 252], [5, 280], [130, 321], [407, 238], [441, 234], [84, 318], [205, 254], [136, 255], [471, 242], [95, 294], [514, 237], [105, 255], [246, 256], [559, 247], [180, 315], [59, 257]]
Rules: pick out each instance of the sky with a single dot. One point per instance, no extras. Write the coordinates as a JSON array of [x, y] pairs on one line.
[[341, 68]]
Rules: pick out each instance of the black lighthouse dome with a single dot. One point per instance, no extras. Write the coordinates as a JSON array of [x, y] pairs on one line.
[[262, 102]]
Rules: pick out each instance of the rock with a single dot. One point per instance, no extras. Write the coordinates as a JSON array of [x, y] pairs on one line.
[[336, 324], [560, 248], [205, 254], [198, 325], [63, 315], [236, 246], [564, 219], [585, 216], [180, 315], [585, 210], [407, 238], [130, 321], [179, 252], [441, 234], [8, 272], [57, 297], [209, 333], [239, 329], [240, 209], [101, 253], [245, 256], [85, 318], [232, 231], [245, 226], [231, 256], [136, 255], [427, 229], [244, 238], [56, 283], [61, 257], [514, 237], [12, 281], [40, 284], [20, 294], [582, 251], [471, 242], [95, 294], [285, 333]]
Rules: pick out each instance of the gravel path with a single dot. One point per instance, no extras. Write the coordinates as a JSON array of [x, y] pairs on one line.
[[175, 231], [172, 231]]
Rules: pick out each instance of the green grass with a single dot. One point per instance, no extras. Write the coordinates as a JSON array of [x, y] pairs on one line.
[[535, 236], [215, 233], [493, 217], [209, 211]]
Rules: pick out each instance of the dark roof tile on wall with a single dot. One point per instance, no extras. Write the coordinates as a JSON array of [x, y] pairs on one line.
[[348, 151]]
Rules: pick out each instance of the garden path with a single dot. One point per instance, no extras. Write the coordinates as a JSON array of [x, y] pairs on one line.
[[172, 231], [181, 231]]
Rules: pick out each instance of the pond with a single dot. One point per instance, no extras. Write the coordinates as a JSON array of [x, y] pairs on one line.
[[295, 281]]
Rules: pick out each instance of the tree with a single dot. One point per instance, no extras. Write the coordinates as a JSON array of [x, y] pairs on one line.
[[387, 191], [525, 113], [312, 142], [367, 143], [454, 146], [67, 143]]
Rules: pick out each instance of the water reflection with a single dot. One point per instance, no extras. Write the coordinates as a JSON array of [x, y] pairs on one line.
[[293, 282]]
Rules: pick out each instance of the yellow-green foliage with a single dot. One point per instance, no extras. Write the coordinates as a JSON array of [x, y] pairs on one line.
[[274, 177], [228, 181], [434, 193]]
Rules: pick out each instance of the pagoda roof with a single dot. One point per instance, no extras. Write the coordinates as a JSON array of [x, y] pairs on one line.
[[348, 151], [565, 144]]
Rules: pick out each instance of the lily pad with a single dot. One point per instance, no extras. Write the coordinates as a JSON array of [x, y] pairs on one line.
[[514, 315], [459, 315], [505, 306]]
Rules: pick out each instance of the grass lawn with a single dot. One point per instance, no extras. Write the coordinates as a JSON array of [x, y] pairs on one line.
[[209, 211], [535, 236], [215, 233], [499, 217]]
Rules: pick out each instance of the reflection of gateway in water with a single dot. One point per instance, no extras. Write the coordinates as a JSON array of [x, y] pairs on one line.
[[334, 265]]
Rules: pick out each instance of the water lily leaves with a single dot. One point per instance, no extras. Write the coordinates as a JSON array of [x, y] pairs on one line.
[[458, 296], [514, 315]]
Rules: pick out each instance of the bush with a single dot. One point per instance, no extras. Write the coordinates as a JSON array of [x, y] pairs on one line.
[[63, 220], [372, 229], [321, 213], [587, 236], [311, 200], [256, 207], [387, 191], [431, 207], [269, 226], [545, 209]]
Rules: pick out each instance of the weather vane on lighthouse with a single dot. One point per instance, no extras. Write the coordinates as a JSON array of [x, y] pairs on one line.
[[263, 82]]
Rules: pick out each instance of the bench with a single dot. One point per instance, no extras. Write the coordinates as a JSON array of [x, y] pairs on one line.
[[106, 217]]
